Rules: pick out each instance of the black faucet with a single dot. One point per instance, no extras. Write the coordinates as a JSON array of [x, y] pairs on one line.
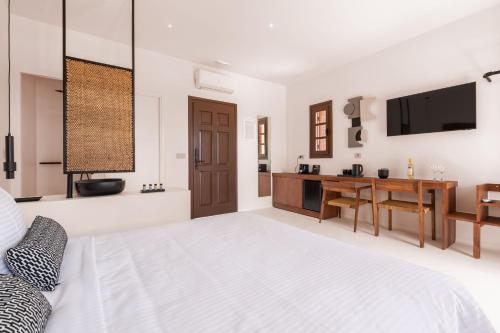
[[487, 75]]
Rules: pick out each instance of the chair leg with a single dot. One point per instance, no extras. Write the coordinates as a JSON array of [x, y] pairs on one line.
[[477, 241], [433, 216], [389, 213], [433, 212], [323, 206], [373, 218], [421, 228], [356, 211]]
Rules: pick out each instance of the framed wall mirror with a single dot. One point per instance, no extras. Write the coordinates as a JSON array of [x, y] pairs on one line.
[[264, 156]]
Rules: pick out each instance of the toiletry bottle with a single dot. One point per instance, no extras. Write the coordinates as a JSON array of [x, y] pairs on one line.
[[411, 172]]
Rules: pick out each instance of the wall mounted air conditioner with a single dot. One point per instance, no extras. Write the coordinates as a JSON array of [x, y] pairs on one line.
[[205, 79]]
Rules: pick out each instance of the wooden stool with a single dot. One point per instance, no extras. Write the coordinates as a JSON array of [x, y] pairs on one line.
[[343, 202], [419, 207]]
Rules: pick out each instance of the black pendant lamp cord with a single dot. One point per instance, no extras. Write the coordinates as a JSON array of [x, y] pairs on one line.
[[8, 48], [10, 165]]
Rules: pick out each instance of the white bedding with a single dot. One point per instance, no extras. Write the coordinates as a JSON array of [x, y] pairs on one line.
[[246, 273]]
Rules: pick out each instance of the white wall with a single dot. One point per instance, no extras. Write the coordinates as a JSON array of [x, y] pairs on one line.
[[27, 159], [37, 50], [49, 129], [458, 53]]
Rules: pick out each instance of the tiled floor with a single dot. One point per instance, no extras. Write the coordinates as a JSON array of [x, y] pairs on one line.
[[481, 277]]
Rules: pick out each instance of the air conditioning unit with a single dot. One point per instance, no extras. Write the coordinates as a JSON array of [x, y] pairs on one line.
[[205, 79]]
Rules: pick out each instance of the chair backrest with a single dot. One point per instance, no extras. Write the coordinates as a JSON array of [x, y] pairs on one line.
[[342, 187], [398, 185]]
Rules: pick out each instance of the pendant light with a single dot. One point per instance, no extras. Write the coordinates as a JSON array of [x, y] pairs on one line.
[[9, 166]]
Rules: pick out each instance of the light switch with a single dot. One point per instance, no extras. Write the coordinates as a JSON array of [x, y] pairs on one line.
[[180, 156]]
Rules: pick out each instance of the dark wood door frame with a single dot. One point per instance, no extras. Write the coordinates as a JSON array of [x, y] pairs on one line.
[[192, 99]]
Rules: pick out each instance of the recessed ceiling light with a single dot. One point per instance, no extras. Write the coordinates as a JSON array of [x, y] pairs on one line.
[[271, 25], [170, 25], [222, 62]]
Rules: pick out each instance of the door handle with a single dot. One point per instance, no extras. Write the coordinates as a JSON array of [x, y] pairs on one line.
[[197, 161]]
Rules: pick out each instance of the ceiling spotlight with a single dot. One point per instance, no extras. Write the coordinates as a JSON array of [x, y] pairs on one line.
[[222, 62], [170, 25], [271, 25]]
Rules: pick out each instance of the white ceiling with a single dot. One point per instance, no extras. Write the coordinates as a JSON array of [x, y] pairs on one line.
[[309, 36]]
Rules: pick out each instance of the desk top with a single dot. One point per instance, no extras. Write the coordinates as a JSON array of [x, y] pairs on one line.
[[426, 183]]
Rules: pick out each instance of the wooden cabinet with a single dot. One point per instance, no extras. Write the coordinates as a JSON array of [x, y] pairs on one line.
[[287, 192], [264, 184]]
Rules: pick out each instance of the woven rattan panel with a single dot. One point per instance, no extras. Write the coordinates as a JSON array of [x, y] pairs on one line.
[[99, 119]]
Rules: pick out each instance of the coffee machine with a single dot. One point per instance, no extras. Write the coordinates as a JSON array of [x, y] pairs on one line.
[[303, 169]]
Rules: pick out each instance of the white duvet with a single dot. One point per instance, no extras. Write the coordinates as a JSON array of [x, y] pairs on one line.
[[245, 273]]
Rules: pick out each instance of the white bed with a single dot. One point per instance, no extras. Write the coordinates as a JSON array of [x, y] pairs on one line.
[[246, 273]]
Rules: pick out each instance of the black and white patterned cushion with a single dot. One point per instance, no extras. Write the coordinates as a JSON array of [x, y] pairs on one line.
[[23, 309], [37, 258], [12, 227]]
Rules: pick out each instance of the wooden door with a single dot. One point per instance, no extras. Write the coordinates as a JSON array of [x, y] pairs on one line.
[[212, 157]]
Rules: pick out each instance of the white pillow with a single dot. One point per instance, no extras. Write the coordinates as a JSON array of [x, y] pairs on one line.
[[12, 227]]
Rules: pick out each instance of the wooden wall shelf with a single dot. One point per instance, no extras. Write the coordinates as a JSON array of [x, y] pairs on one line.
[[491, 220], [482, 216], [490, 204]]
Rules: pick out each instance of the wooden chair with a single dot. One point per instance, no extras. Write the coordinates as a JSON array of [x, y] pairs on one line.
[[419, 207], [343, 202]]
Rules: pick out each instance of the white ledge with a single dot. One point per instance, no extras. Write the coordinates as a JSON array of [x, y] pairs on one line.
[[104, 214]]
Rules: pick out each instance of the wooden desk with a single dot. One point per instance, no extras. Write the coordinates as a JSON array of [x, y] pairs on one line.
[[287, 195]]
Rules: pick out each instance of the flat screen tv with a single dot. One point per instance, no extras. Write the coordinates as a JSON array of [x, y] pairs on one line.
[[447, 109]]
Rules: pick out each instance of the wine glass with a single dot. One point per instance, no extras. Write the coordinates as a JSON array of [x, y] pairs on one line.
[[441, 170], [434, 169]]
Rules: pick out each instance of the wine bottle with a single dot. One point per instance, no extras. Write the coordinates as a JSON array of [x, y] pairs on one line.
[[411, 172]]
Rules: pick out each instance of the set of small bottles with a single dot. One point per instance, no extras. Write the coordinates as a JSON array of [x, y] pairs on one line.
[[152, 188]]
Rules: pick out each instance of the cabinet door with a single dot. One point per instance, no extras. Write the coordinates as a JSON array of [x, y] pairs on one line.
[[287, 191], [264, 184], [294, 191]]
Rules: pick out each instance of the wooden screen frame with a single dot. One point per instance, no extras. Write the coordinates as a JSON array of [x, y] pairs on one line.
[[313, 109], [69, 183], [66, 109]]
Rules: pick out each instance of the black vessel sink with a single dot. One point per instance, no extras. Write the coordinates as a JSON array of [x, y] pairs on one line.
[[95, 187]]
